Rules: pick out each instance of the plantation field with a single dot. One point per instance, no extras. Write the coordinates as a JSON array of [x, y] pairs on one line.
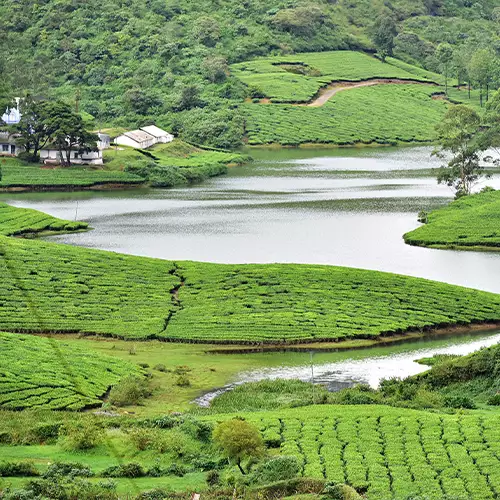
[[44, 373], [58, 288], [15, 174], [298, 77], [301, 303], [383, 114], [391, 453], [471, 221], [14, 221]]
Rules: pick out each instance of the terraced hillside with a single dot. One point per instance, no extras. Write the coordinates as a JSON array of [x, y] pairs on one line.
[[296, 99], [59, 288], [44, 373], [391, 452], [472, 221]]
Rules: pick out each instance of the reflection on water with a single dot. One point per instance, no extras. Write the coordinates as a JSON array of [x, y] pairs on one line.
[[290, 205], [362, 367]]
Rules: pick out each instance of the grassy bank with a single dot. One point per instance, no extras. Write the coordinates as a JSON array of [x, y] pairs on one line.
[[471, 223]]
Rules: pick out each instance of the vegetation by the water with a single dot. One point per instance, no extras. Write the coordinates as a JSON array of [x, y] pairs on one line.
[[59, 288], [344, 118], [471, 221], [15, 221], [297, 78], [44, 373], [17, 174]]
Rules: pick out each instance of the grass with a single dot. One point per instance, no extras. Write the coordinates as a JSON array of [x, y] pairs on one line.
[[472, 222], [16, 174], [297, 78], [359, 115], [43, 373]]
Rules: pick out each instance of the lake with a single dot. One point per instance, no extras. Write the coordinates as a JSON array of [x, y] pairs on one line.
[[343, 206]]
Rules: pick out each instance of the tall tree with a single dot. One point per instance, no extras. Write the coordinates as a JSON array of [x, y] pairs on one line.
[[459, 137], [481, 68], [444, 54], [384, 30], [69, 132], [35, 129]]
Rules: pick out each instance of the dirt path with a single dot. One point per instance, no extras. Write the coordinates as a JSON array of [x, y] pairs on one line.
[[326, 93]]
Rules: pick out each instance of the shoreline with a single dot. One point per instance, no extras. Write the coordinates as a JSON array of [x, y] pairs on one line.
[[66, 188], [455, 246], [334, 145]]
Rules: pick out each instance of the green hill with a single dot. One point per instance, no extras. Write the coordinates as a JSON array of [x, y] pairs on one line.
[[48, 287], [469, 222], [129, 63]]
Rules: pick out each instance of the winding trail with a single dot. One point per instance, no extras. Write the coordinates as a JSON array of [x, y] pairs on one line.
[[326, 93]]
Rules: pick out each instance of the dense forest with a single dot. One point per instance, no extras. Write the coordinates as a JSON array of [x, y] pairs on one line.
[[129, 62]]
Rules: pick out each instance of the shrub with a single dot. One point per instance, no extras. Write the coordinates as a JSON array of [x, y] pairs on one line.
[[143, 439], [197, 429], [17, 469], [125, 470], [130, 390], [213, 478], [67, 469], [80, 435], [183, 381], [160, 368], [460, 402], [494, 400], [155, 494], [334, 491], [276, 469]]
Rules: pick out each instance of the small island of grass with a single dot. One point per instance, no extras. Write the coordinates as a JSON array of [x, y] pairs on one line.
[[470, 223]]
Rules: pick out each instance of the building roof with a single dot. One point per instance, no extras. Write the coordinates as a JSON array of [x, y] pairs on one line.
[[138, 136], [155, 131]]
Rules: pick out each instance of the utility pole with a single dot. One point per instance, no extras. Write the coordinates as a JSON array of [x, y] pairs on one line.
[[312, 375], [76, 211]]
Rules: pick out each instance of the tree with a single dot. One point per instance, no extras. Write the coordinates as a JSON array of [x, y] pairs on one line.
[[238, 440], [481, 68], [215, 69], [384, 31], [491, 124], [461, 57], [35, 128], [459, 135], [69, 132], [444, 54]]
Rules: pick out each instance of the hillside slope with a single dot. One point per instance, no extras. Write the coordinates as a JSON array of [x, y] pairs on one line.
[[131, 62]]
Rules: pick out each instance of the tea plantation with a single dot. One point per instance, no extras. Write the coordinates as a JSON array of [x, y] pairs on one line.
[[383, 114], [15, 174], [44, 373], [471, 221], [48, 287], [391, 453], [297, 78]]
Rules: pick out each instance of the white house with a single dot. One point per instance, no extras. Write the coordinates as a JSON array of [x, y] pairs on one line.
[[12, 115], [104, 141], [137, 139], [160, 135], [51, 155], [8, 146]]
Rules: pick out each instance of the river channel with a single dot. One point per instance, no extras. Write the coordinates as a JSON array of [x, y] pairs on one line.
[[347, 207]]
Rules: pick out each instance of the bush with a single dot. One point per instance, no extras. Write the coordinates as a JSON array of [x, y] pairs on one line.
[[213, 478], [18, 469], [160, 368], [494, 400], [130, 390], [334, 491], [460, 402], [125, 470], [276, 469], [294, 486], [143, 439], [80, 435], [155, 494], [67, 469], [183, 381]]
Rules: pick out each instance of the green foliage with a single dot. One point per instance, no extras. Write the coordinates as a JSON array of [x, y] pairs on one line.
[[80, 435], [471, 221], [275, 77], [73, 469], [124, 470], [336, 491], [38, 372], [386, 452], [13, 469], [384, 31], [343, 119], [238, 440], [130, 390], [280, 468], [268, 395]]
